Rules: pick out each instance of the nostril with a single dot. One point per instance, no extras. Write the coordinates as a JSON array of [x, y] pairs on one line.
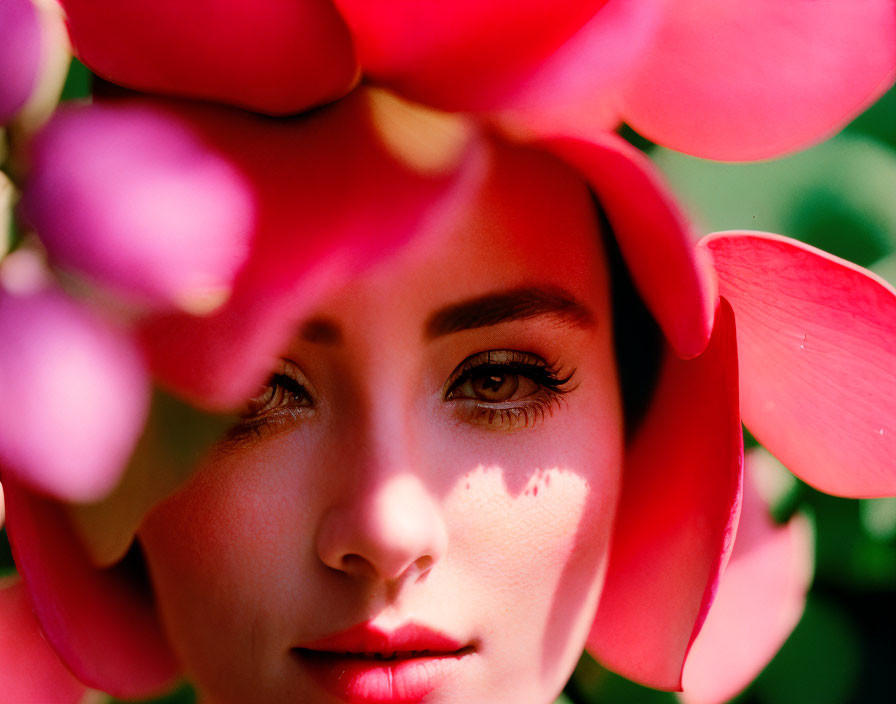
[[423, 566], [358, 566]]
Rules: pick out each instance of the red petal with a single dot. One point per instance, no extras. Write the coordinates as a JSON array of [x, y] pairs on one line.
[[678, 511], [335, 191], [817, 343], [462, 54], [102, 623], [573, 92], [675, 281], [760, 600], [732, 80], [20, 55], [29, 669], [272, 56], [133, 196], [65, 372]]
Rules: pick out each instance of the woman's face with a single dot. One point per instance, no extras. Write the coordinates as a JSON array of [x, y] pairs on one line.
[[418, 507]]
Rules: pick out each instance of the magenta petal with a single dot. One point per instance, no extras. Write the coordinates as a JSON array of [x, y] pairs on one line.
[[817, 343], [760, 600], [20, 55], [135, 198], [30, 670], [66, 375], [732, 80], [573, 91], [465, 54], [102, 623], [337, 190], [678, 511], [676, 282], [272, 56]]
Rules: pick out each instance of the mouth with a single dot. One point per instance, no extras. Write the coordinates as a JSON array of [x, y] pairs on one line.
[[368, 665]]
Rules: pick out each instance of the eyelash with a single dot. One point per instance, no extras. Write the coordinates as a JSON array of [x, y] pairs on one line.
[[510, 414], [269, 411], [285, 398]]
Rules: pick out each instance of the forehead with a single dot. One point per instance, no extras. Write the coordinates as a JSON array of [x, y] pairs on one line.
[[532, 223]]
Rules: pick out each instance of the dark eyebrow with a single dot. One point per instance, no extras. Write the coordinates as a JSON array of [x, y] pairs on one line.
[[505, 306], [321, 331]]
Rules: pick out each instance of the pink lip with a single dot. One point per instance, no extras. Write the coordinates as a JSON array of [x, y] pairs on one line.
[[367, 665]]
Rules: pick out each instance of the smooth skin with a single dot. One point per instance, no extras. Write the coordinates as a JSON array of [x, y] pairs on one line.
[[393, 472]]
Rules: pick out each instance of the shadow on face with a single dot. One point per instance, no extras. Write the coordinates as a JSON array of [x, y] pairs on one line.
[[439, 446]]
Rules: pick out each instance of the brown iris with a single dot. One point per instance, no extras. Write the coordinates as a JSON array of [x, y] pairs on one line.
[[495, 387]]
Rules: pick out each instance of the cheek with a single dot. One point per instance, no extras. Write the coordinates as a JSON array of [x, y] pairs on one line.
[[533, 525], [530, 536], [220, 551], [512, 522], [234, 519]]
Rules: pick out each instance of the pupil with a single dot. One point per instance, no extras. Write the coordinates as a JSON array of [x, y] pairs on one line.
[[495, 387], [493, 383]]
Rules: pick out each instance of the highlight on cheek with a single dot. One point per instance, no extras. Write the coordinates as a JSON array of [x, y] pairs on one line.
[[556, 499]]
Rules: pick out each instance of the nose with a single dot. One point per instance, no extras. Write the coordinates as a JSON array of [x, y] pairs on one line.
[[387, 529]]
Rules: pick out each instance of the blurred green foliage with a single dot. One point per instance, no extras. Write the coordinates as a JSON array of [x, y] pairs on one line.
[[7, 566], [182, 695], [78, 82], [837, 196]]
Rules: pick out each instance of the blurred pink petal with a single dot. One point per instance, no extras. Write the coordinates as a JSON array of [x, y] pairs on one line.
[[818, 368], [66, 374], [463, 54], [30, 670], [271, 56], [677, 516], [732, 80], [20, 55], [53, 64], [134, 196], [573, 92], [337, 190], [102, 623], [760, 600], [676, 282]]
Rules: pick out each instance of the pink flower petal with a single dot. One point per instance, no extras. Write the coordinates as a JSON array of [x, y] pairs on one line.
[[66, 375], [462, 54], [676, 282], [29, 669], [132, 195], [573, 92], [20, 55], [817, 343], [732, 80], [102, 623], [272, 56], [760, 600], [53, 64], [336, 190], [679, 506]]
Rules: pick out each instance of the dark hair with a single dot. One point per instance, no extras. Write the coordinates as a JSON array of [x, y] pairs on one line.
[[637, 338]]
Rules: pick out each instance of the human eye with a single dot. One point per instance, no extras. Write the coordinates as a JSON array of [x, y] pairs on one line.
[[506, 389], [283, 399]]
